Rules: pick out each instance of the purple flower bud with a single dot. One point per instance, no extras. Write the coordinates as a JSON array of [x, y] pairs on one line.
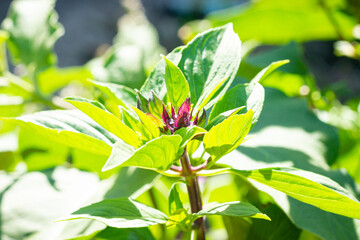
[[183, 116]]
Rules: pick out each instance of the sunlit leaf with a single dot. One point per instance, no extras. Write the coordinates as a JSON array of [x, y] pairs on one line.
[[69, 127], [228, 135], [307, 187], [208, 59], [159, 153], [107, 120], [176, 85]]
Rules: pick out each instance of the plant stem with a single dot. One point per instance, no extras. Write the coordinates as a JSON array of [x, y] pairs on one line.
[[194, 195]]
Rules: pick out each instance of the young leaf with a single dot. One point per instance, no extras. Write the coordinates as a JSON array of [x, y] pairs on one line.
[[208, 59], [120, 213], [156, 80], [228, 135], [176, 85], [159, 154], [69, 127], [236, 209], [189, 133], [307, 187], [148, 123], [33, 33], [110, 122], [135, 124]]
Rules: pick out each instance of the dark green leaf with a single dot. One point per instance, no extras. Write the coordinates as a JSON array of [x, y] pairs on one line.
[[120, 213], [236, 209]]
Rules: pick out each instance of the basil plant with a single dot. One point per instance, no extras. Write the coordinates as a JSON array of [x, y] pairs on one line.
[[180, 123]]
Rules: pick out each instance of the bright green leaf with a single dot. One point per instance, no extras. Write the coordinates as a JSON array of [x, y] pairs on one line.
[[159, 153], [222, 116], [148, 123], [120, 213], [236, 209], [307, 187], [228, 135], [189, 133], [107, 120], [267, 71], [176, 85], [174, 200], [69, 127]]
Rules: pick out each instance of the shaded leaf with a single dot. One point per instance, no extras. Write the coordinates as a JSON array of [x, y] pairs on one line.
[[120, 213], [236, 209]]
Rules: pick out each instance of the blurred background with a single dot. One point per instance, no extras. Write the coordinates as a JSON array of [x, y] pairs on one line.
[[49, 49]]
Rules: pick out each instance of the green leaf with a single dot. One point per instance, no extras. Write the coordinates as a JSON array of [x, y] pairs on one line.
[[107, 120], [135, 124], [222, 116], [129, 182], [174, 200], [121, 94], [176, 85], [290, 135], [228, 135], [156, 79], [189, 133], [206, 97], [307, 187], [3, 58], [125, 234], [249, 95], [208, 59], [267, 71], [69, 127], [278, 22], [33, 30], [147, 122], [120, 213], [159, 154], [236, 209], [280, 227]]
